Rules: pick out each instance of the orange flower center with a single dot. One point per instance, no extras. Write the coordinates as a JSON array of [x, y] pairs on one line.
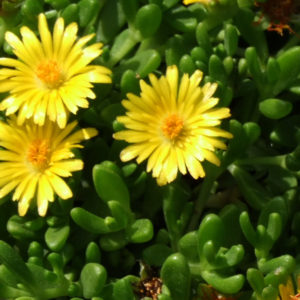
[[172, 126], [50, 74], [38, 154]]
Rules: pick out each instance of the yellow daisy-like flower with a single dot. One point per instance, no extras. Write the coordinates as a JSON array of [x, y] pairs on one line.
[[173, 125], [287, 291], [34, 158], [187, 2], [51, 76]]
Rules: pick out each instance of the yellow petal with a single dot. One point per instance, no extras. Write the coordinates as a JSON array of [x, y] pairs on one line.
[[65, 168], [45, 34], [98, 74], [157, 159], [183, 88], [214, 132], [32, 44], [45, 194], [218, 113], [27, 196], [21, 187], [40, 112], [61, 115], [69, 37], [211, 157], [147, 150], [18, 47], [172, 77], [196, 78], [187, 2], [68, 100], [46, 190], [171, 166], [23, 207], [51, 108], [5, 87], [57, 36], [8, 187], [64, 133], [130, 152], [180, 160], [194, 166], [208, 90], [286, 290], [83, 134], [132, 136], [59, 186]]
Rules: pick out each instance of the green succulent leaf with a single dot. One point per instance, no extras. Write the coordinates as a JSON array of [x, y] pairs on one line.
[[211, 229], [148, 19], [130, 9], [94, 223], [56, 237], [227, 285], [256, 280], [289, 68], [181, 19], [122, 289], [31, 8], [176, 276], [15, 264], [88, 11], [70, 13], [254, 193], [92, 277], [188, 246], [231, 39], [275, 108], [92, 253], [156, 254], [109, 183], [142, 63], [113, 241], [112, 18], [140, 231], [58, 4]]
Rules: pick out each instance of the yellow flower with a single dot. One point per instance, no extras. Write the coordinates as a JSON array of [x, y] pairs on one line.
[[173, 126], [287, 291], [51, 76], [187, 2], [34, 158]]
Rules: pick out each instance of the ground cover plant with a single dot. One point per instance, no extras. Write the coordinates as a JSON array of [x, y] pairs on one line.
[[149, 149]]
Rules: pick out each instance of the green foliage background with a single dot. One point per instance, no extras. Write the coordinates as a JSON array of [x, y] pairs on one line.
[[237, 230]]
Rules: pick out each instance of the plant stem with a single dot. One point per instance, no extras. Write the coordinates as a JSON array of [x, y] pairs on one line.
[[201, 201]]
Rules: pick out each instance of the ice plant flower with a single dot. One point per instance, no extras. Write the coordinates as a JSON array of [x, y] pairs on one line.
[[33, 159], [173, 125], [287, 291], [51, 76]]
